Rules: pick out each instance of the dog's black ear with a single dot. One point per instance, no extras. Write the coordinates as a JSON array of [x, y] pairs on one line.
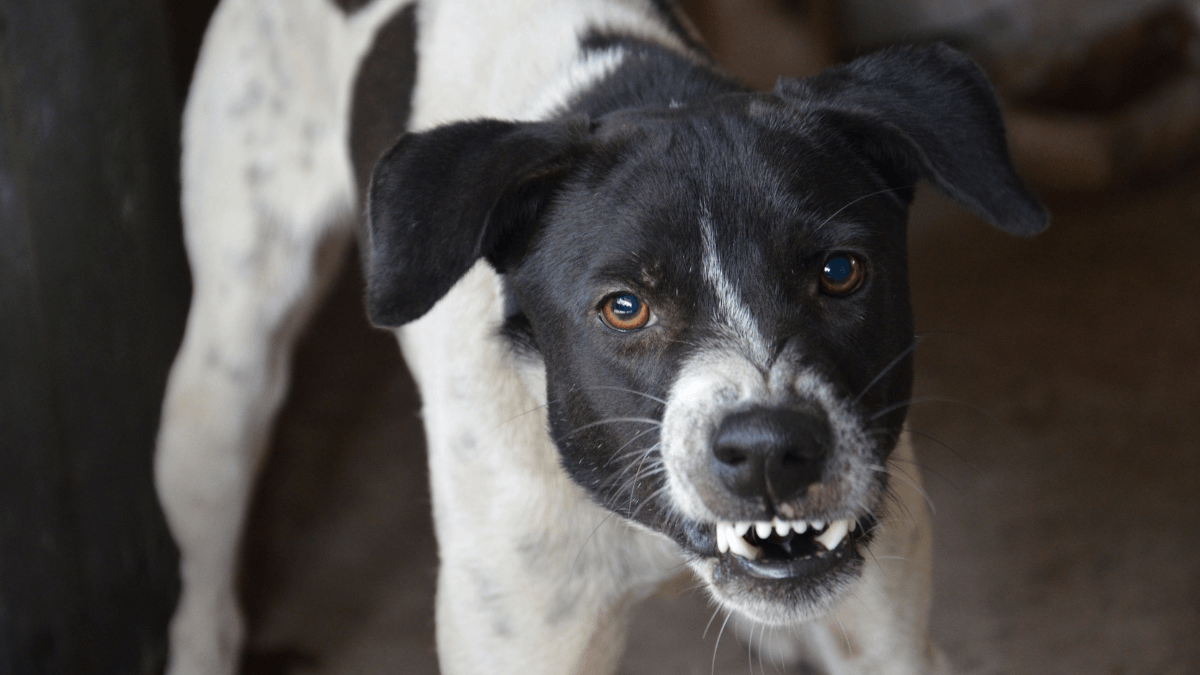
[[442, 199], [925, 112]]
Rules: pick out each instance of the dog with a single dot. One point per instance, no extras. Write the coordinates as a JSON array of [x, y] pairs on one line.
[[656, 319]]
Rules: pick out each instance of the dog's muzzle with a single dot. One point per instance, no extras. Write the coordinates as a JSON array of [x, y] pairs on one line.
[[769, 458], [779, 483]]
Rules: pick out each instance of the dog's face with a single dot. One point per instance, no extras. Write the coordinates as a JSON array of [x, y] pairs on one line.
[[717, 292], [710, 313]]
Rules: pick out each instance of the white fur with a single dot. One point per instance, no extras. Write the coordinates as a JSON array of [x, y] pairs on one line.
[[498, 487], [267, 201], [735, 314], [502, 60], [268, 198]]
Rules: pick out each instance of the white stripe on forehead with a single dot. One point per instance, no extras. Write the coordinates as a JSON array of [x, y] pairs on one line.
[[735, 312]]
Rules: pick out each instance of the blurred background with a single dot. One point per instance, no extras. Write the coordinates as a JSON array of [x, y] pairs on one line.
[[1058, 378]]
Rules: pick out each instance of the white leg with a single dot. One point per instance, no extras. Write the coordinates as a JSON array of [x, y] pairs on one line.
[[268, 198], [226, 385]]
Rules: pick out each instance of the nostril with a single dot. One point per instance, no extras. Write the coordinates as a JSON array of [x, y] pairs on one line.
[[730, 454], [813, 447], [794, 458]]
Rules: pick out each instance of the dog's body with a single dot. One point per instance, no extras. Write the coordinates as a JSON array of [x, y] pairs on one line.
[[638, 175]]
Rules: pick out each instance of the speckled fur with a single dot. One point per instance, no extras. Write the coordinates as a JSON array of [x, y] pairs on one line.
[[269, 198]]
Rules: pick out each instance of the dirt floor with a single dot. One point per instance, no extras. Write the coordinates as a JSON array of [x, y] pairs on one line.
[[1059, 430]]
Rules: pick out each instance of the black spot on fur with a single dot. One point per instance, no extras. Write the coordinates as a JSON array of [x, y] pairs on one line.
[[351, 6], [382, 100]]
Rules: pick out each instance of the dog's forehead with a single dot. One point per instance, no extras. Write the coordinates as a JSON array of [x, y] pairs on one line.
[[664, 188]]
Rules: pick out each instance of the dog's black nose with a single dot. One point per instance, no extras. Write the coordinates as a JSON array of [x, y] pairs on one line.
[[769, 452]]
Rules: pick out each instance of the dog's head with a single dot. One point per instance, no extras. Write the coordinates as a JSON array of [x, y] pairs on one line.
[[717, 292]]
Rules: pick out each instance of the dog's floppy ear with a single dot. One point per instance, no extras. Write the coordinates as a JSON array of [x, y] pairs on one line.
[[925, 112], [442, 199]]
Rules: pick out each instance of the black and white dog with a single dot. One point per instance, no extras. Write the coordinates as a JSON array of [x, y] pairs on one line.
[[625, 285]]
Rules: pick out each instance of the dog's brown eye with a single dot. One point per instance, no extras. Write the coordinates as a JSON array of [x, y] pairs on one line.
[[625, 312], [843, 274]]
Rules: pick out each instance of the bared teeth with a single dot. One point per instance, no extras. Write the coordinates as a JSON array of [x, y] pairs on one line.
[[737, 543], [741, 547], [734, 537], [730, 539], [835, 534]]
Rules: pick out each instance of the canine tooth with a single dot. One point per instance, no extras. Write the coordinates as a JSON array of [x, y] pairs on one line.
[[835, 534], [853, 524], [723, 537], [782, 527], [740, 529], [762, 529], [799, 526], [818, 525], [743, 548]]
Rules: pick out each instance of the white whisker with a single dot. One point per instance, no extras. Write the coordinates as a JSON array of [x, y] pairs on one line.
[[716, 611], [900, 473], [718, 645], [852, 202], [631, 391], [931, 399], [888, 367], [611, 420], [571, 573]]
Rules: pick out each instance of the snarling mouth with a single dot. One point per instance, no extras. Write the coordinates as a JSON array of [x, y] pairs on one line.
[[780, 549]]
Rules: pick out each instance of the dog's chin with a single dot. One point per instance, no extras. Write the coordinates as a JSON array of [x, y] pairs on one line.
[[772, 595], [779, 587]]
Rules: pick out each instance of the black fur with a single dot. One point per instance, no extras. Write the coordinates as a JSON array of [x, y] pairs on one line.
[[925, 112], [441, 200], [609, 198], [437, 198], [627, 219], [383, 89]]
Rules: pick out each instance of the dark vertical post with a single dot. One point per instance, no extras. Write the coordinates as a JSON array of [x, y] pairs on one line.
[[93, 296]]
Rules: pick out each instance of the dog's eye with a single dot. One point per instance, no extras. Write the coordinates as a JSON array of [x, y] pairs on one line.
[[843, 274], [625, 311]]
